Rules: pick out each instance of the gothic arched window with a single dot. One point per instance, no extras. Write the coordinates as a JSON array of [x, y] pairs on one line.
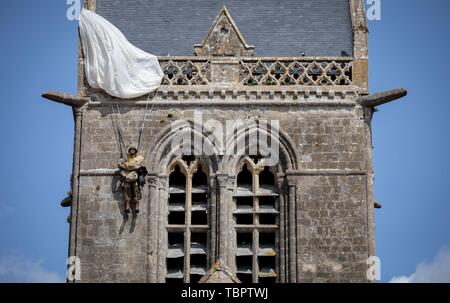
[[187, 222], [256, 223]]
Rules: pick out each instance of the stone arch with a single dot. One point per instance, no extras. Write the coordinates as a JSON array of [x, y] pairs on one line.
[[162, 153], [177, 162], [288, 154]]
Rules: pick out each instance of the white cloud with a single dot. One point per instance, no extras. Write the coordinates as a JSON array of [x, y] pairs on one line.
[[21, 270], [402, 279], [436, 271]]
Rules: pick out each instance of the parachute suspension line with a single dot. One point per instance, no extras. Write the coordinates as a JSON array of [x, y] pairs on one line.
[[116, 131], [117, 124], [120, 131], [143, 121]]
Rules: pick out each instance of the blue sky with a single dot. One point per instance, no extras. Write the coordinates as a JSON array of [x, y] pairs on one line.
[[411, 141], [408, 48]]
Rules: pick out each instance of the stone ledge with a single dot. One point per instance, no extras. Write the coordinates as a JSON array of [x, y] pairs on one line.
[[252, 93], [231, 103], [101, 172], [326, 172]]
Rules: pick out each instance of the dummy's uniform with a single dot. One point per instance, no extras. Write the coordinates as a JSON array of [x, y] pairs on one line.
[[128, 171]]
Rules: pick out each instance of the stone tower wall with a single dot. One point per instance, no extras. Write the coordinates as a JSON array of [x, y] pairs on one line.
[[327, 220]]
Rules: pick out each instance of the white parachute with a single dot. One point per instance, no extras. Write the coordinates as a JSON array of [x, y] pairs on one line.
[[112, 63]]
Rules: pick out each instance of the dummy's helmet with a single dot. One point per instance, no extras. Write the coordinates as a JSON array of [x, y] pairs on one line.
[[132, 149]]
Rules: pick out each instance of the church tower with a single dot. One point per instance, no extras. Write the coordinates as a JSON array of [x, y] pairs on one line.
[[294, 72]]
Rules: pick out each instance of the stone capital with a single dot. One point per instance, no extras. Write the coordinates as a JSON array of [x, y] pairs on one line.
[[222, 179]]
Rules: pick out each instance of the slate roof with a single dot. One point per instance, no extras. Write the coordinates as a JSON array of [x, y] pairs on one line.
[[274, 27]]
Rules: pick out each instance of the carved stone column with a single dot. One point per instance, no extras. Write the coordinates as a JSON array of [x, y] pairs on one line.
[[222, 180], [152, 232], [229, 218], [282, 222], [191, 170], [161, 228], [212, 195], [292, 185]]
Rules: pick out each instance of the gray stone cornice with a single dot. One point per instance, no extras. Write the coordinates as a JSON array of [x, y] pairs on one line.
[[223, 177], [325, 172]]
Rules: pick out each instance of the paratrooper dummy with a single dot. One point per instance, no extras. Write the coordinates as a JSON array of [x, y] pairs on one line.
[[133, 173]]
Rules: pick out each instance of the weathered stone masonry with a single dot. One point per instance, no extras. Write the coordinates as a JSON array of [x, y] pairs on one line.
[[323, 188]]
